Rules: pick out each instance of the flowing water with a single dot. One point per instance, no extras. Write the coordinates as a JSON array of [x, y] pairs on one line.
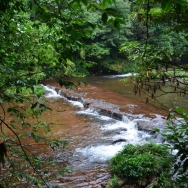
[[123, 86], [97, 121]]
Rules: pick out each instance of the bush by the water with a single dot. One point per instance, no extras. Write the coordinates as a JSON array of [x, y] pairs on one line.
[[141, 164]]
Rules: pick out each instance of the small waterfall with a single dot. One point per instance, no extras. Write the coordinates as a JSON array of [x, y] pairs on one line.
[[51, 92], [120, 75], [116, 130], [125, 119]]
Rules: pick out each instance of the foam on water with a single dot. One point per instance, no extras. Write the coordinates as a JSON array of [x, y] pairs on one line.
[[105, 118], [76, 103], [118, 125], [100, 153], [126, 131], [90, 112], [50, 92], [120, 75]]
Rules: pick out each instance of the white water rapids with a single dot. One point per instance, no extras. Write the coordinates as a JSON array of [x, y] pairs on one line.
[[115, 133]]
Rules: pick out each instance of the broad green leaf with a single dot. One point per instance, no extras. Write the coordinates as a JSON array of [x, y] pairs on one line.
[[182, 2], [104, 17], [105, 3], [121, 21], [110, 21], [166, 5], [185, 165], [117, 25], [34, 105], [43, 107], [110, 10]]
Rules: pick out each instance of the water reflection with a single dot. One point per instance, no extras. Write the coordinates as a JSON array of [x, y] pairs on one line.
[[118, 84]]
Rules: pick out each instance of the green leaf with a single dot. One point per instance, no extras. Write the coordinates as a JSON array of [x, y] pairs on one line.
[[121, 21], [110, 10], [61, 83], [156, 130], [43, 107], [110, 21], [181, 2], [36, 138], [84, 2], [104, 17], [117, 25], [118, 16], [179, 110], [166, 5], [67, 84], [34, 105], [105, 3], [185, 165], [93, 26]]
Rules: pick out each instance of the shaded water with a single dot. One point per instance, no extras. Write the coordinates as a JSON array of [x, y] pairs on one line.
[[123, 86]]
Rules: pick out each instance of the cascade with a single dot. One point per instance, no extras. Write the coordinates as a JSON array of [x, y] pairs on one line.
[[115, 132]]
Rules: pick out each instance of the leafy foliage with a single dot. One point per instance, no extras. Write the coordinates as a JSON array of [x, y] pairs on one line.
[[53, 39], [160, 54], [177, 134], [135, 164], [113, 182], [38, 39]]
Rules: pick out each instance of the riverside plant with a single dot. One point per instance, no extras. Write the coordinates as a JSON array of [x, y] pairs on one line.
[[140, 165], [156, 166], [176, 134]]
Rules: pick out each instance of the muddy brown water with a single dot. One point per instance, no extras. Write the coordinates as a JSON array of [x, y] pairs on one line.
[[81, 131]]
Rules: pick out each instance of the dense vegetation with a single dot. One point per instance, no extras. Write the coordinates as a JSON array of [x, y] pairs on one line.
[[57, 38], [161, 60], [140, 165]]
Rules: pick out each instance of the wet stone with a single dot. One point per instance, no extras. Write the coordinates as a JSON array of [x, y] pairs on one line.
[[117, 116], [119, 140], [146, 126], [82, 185], [105, 112], [120, 130], [114, 132], [57, 90]]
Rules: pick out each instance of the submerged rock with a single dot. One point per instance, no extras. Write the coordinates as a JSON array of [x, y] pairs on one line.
[[149, 125], [119, 140]]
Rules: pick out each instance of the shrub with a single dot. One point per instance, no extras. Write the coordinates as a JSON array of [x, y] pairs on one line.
[[165, 180], [177, 134], [138, 164], [114, 183]]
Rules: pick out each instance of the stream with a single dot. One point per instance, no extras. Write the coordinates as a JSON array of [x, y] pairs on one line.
[[97, 121]]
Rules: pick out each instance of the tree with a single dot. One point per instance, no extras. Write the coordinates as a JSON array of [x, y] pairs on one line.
[[103, 45], [38, 39], [160, 60], [163, 48]]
